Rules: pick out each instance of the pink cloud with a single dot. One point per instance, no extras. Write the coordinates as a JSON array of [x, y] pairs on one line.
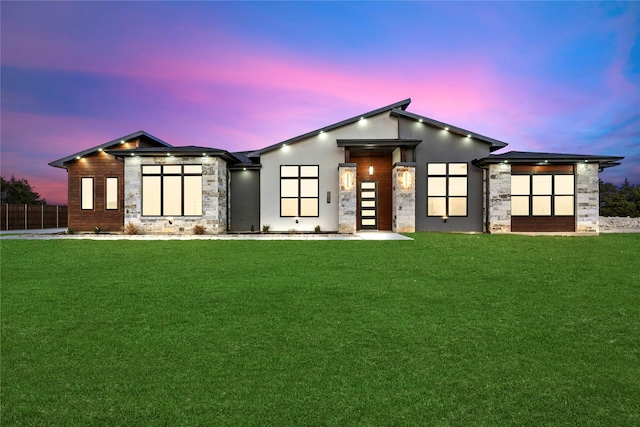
[[31, 141], [203, 86]]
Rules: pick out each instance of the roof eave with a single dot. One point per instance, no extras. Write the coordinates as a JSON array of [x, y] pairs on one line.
[[603, 161], [373, 143], [63, 162], [400, 106], [245, 166], [176, 152], [494, 143]]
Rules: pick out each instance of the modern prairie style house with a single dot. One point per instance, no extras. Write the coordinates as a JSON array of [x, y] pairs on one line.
[[388, 169]]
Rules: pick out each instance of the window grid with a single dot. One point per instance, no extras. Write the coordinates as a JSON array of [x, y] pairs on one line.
[[542, 195], [299, 191], [447, 189], [171, 190]]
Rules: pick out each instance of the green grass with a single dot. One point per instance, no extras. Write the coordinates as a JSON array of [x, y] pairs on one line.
[[444, 330]]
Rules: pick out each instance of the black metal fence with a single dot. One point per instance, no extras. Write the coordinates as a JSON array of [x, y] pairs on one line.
[[30, 217]]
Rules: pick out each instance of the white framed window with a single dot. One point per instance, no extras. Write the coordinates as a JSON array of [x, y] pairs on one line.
[[447, 188], [111, 193], [542, 195], [86, 193], [171, 190], [299, 190]]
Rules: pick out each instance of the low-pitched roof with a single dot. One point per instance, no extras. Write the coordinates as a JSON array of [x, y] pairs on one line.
[[63, 162], [184, 151], [547, 158], [494, 143], [400, 105]]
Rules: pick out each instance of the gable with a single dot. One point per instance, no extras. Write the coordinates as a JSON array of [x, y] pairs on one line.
[[400, 105], [135, 140]]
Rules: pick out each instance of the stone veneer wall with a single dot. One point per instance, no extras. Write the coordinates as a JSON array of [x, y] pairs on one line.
[[587, 198], [214, 196], [404, 198], [620, 223], [347, 199], [499, 198]]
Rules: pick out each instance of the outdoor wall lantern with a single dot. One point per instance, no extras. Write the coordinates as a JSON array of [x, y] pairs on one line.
[[347, 180], [371, 170], [406, 179]]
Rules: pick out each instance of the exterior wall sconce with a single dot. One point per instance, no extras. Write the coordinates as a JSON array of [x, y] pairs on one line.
[[347, 180], [371, 170], [406, 179]]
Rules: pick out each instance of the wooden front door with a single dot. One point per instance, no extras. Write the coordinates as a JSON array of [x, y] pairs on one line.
[[381, 163]]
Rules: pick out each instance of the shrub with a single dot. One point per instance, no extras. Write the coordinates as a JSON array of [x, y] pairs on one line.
[[317, 229], [198, 229], [131, 228], [96, 229], [71, 231], [265, 228]]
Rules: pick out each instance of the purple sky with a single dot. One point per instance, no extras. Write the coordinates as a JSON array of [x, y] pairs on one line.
[[558, 77]]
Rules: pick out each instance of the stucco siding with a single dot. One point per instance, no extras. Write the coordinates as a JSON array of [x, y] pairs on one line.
[[441, 146], [321, 150]]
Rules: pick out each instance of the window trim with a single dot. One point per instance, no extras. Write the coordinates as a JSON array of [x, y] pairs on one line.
[[182, 174], [447, 175], [82, 193], [299, 178]]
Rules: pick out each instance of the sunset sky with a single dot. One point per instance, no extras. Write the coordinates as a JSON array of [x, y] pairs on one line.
[[556, 77]]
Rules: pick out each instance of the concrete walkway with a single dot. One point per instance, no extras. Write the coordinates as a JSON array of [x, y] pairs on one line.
[[60, 233]]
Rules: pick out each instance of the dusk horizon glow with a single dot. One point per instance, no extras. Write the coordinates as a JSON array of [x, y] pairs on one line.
[[239, 76]]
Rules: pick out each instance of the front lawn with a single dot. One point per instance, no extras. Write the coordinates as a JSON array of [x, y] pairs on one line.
[[444, 330]]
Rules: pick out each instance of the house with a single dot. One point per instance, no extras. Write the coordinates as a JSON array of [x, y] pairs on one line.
[[388, 169]]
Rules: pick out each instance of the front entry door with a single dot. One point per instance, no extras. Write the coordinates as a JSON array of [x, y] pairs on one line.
[[368, 205]]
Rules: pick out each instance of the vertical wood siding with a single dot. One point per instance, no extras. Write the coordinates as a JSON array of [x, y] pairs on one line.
[[381, 163]]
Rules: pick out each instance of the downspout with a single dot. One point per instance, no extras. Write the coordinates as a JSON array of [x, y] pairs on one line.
[[486, 199], [228, 204]]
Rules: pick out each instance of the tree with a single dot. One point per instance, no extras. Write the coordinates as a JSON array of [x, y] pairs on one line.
[[19, 191], [619, 201]]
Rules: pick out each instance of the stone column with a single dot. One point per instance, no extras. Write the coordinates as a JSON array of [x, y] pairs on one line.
[[132, 191], [404, 197], [499, 198], [347, 200], [587, 198]]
